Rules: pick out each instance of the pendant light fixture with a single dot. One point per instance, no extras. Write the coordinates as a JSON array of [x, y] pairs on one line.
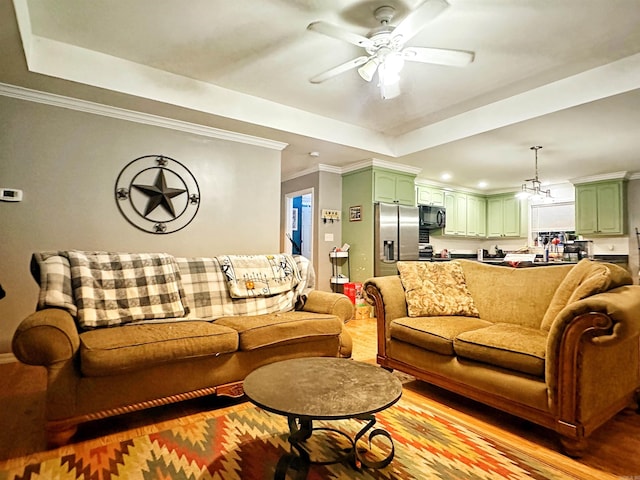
[[532, 187]]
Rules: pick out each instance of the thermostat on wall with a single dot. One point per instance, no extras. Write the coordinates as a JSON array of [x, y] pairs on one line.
[[10, 195]]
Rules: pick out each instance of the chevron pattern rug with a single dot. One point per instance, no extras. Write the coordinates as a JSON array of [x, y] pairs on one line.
[[243, 442]]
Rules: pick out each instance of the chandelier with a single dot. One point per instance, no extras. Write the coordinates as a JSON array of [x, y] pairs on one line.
[[532, 187]]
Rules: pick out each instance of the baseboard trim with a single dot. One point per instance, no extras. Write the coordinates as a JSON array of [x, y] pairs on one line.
[[7, 358]]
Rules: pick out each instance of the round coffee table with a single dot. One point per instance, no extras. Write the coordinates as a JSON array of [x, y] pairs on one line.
[[323, 388]]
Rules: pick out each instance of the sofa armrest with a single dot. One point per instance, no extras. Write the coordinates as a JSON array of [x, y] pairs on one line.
[[46, 337], [331, 303], [608, 320], [387, 296]]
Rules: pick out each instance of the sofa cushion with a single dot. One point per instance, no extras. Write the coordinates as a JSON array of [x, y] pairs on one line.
[[505, 345], [512, 295], [586, 278], [433, 333], [436, 289], [280, 328], [116, 350], [116, 288]]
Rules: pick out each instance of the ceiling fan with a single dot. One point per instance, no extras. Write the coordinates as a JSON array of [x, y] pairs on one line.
[[385, 47]]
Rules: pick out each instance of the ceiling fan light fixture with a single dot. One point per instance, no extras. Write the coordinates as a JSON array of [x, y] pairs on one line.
[[385, 46], [368, 70], [391, 90], [389, 69], [394, 62]]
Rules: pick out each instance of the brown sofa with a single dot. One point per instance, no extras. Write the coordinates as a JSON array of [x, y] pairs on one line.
[[556, 345], [94, 373]]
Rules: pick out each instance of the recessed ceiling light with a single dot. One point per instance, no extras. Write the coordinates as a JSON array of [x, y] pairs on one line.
[[445, 176], [482, 184]]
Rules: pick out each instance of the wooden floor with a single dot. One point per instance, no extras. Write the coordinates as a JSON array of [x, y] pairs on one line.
[[613, 451]]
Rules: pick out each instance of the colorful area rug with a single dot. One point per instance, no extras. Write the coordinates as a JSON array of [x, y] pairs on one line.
[[243, 442]]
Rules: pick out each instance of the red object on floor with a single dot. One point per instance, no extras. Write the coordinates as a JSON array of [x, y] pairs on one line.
[[351, 290]]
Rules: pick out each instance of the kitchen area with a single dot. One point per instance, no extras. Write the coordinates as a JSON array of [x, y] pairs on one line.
[[410, 233], [430, 222]]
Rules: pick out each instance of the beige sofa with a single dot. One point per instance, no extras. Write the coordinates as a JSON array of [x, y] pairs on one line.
[[96, 370], [555, 345]]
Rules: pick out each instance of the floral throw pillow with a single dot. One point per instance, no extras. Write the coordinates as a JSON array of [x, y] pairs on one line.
[[436, 289]]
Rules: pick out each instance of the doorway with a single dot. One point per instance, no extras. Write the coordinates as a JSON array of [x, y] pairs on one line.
[[299, 224]]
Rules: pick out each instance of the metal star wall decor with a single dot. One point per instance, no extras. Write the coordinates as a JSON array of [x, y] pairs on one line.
[[157, 194]]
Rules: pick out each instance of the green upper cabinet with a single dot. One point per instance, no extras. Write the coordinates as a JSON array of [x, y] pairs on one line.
[[476, 216], [506, 216], [456, 206], [391, 187], [430, 196], [466, 214], [601, 208]]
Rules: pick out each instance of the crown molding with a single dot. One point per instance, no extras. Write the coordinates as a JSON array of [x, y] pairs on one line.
[[374, 162], [86, 106], [603, 177], [321, 167], [371, 162]]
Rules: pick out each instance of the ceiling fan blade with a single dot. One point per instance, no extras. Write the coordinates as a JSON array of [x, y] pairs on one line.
[[416, 20], [339, 33], [356, 62], [440, 56]]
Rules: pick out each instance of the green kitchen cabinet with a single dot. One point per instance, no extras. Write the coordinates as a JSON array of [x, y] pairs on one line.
[[466, 215], [430, 196], [456, 206], [506, 216], [476, 216], [391, 187], [601, 208]]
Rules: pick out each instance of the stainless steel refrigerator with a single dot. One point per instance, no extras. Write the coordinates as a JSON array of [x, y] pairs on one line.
[[395, 237]]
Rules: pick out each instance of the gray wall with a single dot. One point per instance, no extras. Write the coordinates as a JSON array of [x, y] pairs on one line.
[[327, 188], [67, 162]]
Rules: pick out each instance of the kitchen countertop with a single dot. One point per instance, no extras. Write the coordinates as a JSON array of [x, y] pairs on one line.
[[619, 259]]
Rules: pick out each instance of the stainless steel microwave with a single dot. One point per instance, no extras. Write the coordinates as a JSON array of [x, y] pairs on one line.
[[432, 217]]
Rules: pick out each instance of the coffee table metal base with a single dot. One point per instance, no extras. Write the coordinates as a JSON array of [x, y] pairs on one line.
[[299, 459]]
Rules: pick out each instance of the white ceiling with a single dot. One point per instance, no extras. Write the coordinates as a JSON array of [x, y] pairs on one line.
[[564, 74]]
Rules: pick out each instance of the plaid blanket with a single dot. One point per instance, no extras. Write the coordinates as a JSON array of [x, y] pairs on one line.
[[207, 291], [117, 288], [53, 273], [204, 287]]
